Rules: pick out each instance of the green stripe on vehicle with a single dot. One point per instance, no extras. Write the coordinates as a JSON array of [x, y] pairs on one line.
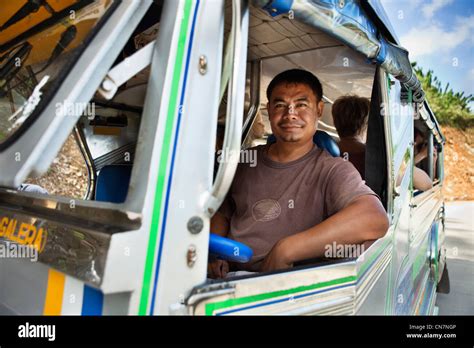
[[372, 257], [212, 307], [388, 296], [165, 152]]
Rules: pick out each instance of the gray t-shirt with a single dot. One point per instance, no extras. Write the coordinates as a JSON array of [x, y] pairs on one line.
[[272, 200]]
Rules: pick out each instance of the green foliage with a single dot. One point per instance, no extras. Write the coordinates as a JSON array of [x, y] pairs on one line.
[[450, 108]]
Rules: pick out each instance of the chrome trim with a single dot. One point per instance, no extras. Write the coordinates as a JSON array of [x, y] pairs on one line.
[[388, 144], [343, 304], [66, 211], [366, 284], [262, 284], [234, 115], [91, 170], [255, 77], [194, 299], [430, 155]]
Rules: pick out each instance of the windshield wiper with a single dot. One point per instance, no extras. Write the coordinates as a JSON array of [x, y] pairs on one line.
[[8, 71], [32, 6]]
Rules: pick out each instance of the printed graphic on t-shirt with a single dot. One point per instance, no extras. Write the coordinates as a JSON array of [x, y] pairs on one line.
[[266, 210]]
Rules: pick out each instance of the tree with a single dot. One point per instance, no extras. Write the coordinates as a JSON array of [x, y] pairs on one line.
[[450, 108]]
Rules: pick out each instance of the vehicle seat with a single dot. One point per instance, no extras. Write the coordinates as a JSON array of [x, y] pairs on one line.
[[322, 140], [112, 183]]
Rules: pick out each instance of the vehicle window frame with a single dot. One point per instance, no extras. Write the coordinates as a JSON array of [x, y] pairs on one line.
[[58, 81], [376, 96], [39, 145], [436, 179], [30, 203]]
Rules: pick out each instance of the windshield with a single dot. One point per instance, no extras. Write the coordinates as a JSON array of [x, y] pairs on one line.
[[39, 41]]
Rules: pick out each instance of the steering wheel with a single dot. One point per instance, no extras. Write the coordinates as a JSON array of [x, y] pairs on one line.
[[228, 249]]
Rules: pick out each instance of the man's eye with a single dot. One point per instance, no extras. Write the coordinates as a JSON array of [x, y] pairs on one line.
[[277, 106], [301, 105]]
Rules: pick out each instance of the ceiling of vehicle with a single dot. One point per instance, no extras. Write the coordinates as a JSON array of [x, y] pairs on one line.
[[270, 37]]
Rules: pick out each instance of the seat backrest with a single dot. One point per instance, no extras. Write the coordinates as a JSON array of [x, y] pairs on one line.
[[112, 183], [322, 140]]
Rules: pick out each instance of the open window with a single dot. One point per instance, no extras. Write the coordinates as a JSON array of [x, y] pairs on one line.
[[428, 153], [281, 44]]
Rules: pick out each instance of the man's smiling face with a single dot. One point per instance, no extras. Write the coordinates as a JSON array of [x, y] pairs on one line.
[[294, 110]]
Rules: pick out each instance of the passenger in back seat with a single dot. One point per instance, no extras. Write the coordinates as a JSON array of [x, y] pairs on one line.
[[350, 114]]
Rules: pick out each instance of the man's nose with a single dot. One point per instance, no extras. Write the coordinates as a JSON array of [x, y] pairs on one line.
[[291, 111]]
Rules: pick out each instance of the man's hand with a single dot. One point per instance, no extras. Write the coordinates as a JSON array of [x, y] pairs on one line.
[[362, 220], [278, 257], [217, 269], [220, 226]]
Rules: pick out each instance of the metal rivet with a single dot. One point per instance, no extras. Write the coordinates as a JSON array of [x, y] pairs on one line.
[[341, 3], [202, 64], [107, 85], [191, 256], [195, 225]]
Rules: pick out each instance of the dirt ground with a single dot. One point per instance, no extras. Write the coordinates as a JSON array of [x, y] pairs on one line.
[[67, 175], [459, 164]]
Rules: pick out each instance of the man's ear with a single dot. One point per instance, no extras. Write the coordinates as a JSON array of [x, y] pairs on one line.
[[320, 108]]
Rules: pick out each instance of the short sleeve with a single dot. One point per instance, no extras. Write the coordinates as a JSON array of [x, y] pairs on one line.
[[344, 184]]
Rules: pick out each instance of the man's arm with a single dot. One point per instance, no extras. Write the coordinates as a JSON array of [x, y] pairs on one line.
[[220, 225], [363, 219], [421, 180]]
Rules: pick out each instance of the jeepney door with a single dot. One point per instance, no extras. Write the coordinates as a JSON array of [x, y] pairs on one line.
[[400, 116]]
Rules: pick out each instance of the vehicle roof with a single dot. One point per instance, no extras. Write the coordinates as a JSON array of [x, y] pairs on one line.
[[376, 11]]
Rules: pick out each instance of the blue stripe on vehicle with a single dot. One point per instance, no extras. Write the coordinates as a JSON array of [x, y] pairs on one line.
[[92, 301], [359, 279], [285, 299]]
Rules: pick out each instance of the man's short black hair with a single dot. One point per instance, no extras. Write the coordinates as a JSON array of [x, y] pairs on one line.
[[297, 76]]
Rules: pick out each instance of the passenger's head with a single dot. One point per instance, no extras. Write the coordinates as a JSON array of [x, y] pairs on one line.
[[294, 105], [350, 114], [419, 138]]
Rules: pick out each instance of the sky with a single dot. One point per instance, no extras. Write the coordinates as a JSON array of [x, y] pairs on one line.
[[439, 34]]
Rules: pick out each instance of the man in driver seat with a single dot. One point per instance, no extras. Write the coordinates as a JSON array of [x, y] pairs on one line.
[[298, 199]]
